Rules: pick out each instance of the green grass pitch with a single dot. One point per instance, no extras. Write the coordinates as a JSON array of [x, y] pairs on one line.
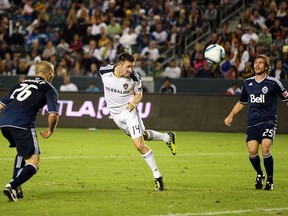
[[100, 172]]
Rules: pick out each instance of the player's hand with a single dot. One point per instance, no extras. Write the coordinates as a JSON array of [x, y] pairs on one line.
[[46, 133], [131, 106], [228, 121]]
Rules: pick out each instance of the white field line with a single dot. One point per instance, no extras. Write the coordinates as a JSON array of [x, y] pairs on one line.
[[127, 156], [134, 155], [229, 212]]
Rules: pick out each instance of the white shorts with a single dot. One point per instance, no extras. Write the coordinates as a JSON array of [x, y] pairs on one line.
[[130, 123]]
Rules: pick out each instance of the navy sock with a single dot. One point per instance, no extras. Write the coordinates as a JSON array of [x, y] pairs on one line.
[[19, 163], [269, 166], [27, 172], [255, 161]]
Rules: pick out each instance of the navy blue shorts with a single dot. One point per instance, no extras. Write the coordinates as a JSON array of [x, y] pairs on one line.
[[25, 141], [261, 131]]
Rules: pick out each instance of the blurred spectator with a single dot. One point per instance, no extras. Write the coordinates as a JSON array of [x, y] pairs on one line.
[[57, 20], [269, 22], [282, 11], [17, 38], [246, 19], [22, 67], [93, 70], [68, 86], [151, 52], [175, 40], [78, 70], [157, 70], [278, 72], [160, 36], [224, 34], [247, 72], [199, 62], [246, 37], [32, 68], [210, 16], [172, 71], [265, 38], [205, 72], [114, 28], [225, 66], [48, 51], [233, 90], [258, 20], [182, 20], [4, 6], [128, 40], [62, 48], [70, 30], [92, 88], [187, 71], [279, 42], [76, 44], [142, 28], [195, 22], [168, 87], [277, 27]]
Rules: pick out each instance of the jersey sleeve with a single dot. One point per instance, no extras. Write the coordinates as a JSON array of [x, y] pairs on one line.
[[7, 97], [281, 91], [52, 101], [136, 77], [244, 95]]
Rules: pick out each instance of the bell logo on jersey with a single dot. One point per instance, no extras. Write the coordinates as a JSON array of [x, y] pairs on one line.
[[257, 99]]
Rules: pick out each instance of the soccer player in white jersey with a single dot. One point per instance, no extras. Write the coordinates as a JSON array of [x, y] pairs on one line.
[[260, 94], [123, 92]]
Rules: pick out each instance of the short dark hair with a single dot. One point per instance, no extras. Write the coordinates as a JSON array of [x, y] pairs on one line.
[[126, 57]]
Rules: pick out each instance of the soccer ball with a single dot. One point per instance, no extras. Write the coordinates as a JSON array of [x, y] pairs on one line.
[[214, 54]]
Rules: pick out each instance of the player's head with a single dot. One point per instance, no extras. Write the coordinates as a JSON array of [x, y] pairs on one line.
[[125, 64], [262, 64], [45, 70]]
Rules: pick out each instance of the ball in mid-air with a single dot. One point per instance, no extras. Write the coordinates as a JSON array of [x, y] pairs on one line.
[[214, 54]]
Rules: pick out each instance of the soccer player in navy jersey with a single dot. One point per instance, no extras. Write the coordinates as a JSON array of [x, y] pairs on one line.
[[17, 122], [260, 94], [123, 92]]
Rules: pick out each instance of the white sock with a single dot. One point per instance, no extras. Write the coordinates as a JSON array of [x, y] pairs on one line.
[[150, 160], [154, 135]]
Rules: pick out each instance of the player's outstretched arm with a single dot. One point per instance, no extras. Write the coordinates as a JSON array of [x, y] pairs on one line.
[[236, 109], [52, 123]]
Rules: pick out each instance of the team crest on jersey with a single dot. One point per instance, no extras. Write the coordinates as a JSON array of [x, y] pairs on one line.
[[125, 86], [264, 89]]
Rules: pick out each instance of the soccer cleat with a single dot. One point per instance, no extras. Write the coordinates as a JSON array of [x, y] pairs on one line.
[[159, 185], [10, 193], [269, 186], [171, 142], [259, 181], [19, 192]]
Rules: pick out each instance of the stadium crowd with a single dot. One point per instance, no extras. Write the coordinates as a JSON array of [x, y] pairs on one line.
[[78, 37]]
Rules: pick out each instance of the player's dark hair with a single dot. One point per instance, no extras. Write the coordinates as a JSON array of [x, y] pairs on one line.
[[266, 61], [126, 57]]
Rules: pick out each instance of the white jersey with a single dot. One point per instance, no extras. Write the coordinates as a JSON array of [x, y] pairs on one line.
[[119, 91]]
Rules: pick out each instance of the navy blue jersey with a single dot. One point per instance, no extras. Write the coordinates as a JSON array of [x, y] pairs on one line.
[[261, 98], [24, 100]]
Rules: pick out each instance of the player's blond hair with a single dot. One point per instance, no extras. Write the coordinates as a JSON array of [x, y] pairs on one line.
[[266, 61]]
